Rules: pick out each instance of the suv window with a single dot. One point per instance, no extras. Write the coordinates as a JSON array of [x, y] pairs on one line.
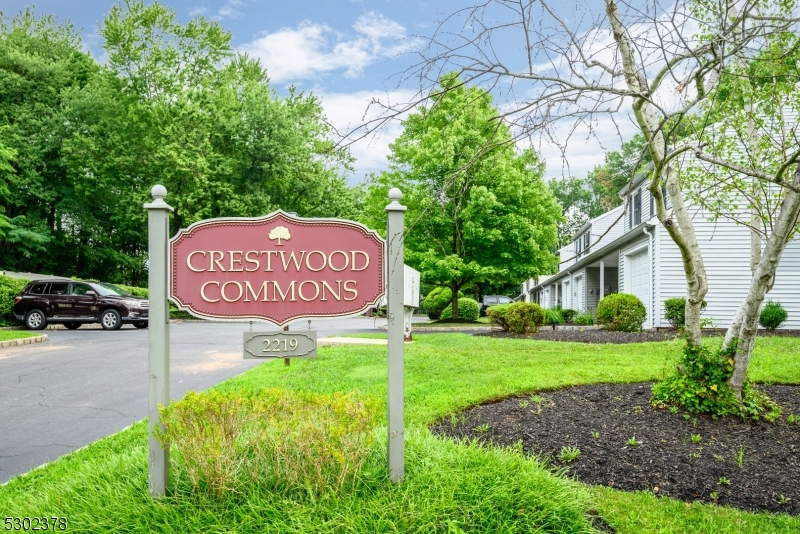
[[505, 300], [491, 300], [80, 290], [58, 289], [37, 289]]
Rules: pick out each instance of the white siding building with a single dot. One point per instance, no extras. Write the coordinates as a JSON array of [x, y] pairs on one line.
[[632, 252]]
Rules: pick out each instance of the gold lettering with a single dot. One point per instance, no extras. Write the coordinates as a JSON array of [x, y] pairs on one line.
[[269, 259], [337, 296], [293, 259], [248, 287], [203, 292], [353, 261], [234, 260], [330, 260], [316, 288], [276, 287], [248, 260], [308, 260], [212, 261], [222, 292], [353, 291], [189, 261]]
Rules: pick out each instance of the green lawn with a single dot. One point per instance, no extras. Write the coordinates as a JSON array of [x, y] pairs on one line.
[[483, 320], [7, 335], [450, 487]]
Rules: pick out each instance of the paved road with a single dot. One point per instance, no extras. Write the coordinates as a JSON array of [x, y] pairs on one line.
[[84, 384]]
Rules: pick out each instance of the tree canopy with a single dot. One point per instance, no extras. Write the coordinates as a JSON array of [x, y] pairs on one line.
[[81, 144], [478, 210]]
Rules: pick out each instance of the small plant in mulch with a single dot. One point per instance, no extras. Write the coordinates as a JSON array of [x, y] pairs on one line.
[[569, 454], [699, 384]]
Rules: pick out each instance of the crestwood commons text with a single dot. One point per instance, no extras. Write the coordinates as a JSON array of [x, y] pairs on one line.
[[279, 261]]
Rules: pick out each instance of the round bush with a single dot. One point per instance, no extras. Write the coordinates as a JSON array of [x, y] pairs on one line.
[[773, 315], [524, 317], [675, 311], [622, 312], [468, 309], [437, 300]]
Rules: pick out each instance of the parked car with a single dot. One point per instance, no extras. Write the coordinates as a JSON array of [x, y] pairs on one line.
[[493, 300], [73, 303]]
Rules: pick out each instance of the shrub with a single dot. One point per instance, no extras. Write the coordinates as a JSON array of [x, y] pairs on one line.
[[700, 385], [584, 319], [518, 318], [773, 315], [497, 315], [311, 442], [437, 300], [675, 311], [524, 317], [468, 309], [552, 316], [622, 312], [568, 314], [9, 288]]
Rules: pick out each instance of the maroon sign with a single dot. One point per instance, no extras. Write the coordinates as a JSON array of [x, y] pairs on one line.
[[278, 268]]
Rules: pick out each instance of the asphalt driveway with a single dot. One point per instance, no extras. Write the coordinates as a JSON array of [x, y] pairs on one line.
[[85, 384]]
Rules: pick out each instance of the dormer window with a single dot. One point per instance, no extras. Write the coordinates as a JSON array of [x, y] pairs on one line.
[[587, 241], [635, 211]]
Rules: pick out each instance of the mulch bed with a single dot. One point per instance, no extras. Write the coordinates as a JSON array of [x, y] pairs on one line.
[[607, 336], [667, 460]]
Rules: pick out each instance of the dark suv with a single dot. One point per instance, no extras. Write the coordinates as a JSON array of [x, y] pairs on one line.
[[73, 303], [493, 300]]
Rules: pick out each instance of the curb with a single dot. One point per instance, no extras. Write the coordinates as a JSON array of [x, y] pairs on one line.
[[24, 341], [415, 328]]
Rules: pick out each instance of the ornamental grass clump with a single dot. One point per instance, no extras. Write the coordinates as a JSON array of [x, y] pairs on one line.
[[282, 439], [621, 312]]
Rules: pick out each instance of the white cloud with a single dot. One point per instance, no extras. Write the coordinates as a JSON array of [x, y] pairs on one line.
[[348, 111], [198, 11], [293, 54]]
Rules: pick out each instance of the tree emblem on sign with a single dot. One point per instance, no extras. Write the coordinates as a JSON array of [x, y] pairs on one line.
[[280, 232]]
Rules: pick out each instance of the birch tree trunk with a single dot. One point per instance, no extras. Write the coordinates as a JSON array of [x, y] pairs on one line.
[[744, 326], [681, 229]]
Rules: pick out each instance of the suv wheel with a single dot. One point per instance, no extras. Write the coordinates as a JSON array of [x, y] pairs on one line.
[[110, 320], [72, 326], [35, 320]]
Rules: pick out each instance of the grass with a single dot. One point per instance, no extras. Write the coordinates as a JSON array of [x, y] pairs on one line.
[[450, 487], [7, 335], [480, 321]]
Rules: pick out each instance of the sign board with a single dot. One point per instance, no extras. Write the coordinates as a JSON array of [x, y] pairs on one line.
[[275, 268], [268, 345], [410, 287]]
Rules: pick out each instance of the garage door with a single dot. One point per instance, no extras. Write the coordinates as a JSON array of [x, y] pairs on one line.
[[639, 274]]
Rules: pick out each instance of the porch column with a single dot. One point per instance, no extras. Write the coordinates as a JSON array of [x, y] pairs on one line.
[[602, 280]]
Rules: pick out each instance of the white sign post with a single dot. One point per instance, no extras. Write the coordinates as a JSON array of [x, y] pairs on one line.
[[395, 333], [158, 335]]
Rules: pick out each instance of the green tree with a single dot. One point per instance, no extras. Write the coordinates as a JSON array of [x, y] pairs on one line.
[[478, 210], [174, 104], [41, 62]]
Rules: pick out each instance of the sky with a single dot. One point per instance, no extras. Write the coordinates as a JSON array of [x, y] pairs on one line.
[[347, 52]]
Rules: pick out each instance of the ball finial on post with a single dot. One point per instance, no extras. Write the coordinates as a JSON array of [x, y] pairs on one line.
[[158, 192], [395, 194]]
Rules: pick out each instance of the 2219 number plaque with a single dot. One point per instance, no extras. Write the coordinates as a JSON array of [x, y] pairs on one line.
[[265, 345]]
